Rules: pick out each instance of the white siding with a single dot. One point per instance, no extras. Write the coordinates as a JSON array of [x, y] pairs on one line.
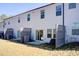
[[36, 22], [1, 26], [49, 22], [71, 16]]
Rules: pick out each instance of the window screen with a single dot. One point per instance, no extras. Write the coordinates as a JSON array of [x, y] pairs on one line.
[[72, 5], [49, 33], [28, 17], [42, 14], [58, 10], [75, 31]]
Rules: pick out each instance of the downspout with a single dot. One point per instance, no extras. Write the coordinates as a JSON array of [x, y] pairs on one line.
[[63, 14], [63, 25]]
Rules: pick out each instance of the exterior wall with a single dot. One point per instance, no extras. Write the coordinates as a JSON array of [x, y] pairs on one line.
[[1, 26], [49, 22], [71, 17], [36, 23]]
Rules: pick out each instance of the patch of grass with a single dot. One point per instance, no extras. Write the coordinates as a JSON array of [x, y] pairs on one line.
[[10, 48], [70, 46]]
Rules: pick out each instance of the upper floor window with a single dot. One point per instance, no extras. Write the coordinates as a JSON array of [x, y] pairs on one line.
[[8, 23], [58, 10], [42, 14], [28, 17], [18, 20], [3, 25], [72, 5]]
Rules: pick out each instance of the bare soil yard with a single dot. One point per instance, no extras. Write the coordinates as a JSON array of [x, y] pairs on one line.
[[8, 48]]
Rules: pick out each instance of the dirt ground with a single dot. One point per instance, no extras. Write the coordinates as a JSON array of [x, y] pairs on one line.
[[8, 48]]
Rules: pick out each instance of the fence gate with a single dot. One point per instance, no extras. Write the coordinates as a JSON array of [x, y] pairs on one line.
[[26, 35], [60, 36], [9, 33]]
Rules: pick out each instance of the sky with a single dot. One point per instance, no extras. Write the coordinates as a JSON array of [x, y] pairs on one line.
[[12, 9]]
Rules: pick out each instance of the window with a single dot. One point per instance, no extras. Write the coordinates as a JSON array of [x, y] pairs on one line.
[[75, 31], [72, 5], [28, 17], [49, 33], [42, 14], [58, 10], [18, 34], [18, 20], [3, 25], [54, 33], [8, 23]]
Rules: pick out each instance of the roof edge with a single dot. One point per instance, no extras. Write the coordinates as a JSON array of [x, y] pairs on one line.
[[30, 10]]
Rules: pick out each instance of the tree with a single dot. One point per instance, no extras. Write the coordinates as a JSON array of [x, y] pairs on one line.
[[2, 17]]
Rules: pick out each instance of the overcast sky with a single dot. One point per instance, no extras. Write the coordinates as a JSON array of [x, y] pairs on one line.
[[16, 8]]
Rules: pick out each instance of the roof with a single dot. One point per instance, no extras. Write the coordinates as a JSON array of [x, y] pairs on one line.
[[30, 10]]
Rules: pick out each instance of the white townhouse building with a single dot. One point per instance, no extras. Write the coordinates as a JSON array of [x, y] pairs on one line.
[[56, 20]]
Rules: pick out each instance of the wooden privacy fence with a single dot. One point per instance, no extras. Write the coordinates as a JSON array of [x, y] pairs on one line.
[[9, 34], [26, 35]]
